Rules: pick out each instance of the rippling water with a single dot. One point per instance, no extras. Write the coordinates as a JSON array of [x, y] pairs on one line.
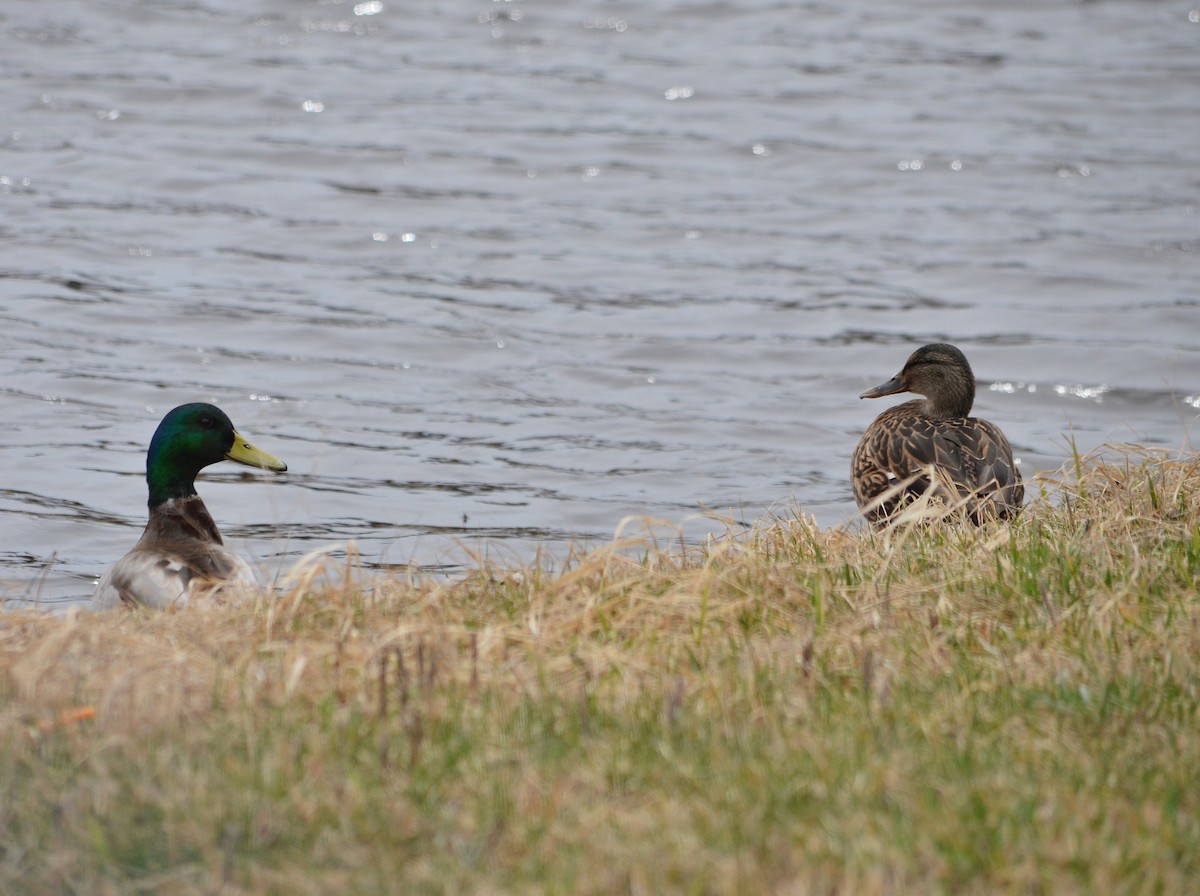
[[491, 276]]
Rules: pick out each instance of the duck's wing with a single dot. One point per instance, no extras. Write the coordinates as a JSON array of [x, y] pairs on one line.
[[896, 450], [977, 460], [996, 475]]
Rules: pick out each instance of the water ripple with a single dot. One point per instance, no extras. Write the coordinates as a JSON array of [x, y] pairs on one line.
[[495, 282]]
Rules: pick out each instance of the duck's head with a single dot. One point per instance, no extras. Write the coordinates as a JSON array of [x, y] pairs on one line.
[[189, 438], [939, 372]]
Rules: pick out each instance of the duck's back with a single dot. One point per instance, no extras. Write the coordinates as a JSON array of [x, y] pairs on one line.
[[970, 454], [179, 556]]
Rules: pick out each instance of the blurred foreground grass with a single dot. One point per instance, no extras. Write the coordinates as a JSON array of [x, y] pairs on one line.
[[933, 709]]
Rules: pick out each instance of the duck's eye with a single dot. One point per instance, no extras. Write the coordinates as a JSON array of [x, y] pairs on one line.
[[208, 422]]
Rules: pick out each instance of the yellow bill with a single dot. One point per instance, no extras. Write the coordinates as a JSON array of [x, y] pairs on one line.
[[244, 453]]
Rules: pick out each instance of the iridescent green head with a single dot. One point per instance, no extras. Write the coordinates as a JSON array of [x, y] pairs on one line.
[[189, 438]]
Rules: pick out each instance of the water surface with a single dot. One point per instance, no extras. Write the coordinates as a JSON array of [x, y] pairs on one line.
[[494, 276]]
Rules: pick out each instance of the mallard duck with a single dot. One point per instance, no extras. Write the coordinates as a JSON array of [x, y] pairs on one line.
[[971, 458], [180, 553]]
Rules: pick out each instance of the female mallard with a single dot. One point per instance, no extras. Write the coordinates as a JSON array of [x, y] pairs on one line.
[[971, 459], [181, 553]]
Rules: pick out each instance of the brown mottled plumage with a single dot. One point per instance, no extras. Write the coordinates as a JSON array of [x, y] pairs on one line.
[[971, 459]]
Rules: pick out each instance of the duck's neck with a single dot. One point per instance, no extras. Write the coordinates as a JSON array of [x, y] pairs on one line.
[[169, 477], [162, 492], [182, 520], [953, 400]]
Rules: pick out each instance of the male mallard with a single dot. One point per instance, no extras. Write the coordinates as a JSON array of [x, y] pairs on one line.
[[972, 459], [181, 553]]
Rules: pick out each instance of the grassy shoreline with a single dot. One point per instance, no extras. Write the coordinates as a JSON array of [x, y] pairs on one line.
[[1014, 709]]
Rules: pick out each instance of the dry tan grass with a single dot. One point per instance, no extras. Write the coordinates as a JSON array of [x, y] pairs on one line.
[[932, 708]]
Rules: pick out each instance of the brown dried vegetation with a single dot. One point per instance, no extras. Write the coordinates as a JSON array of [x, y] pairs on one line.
[[931, 708]]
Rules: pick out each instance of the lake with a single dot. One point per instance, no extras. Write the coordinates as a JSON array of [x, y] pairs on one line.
[[496, 278]]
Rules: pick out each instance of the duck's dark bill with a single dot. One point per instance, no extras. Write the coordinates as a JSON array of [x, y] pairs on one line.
[[891, 387], [245, 453]]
